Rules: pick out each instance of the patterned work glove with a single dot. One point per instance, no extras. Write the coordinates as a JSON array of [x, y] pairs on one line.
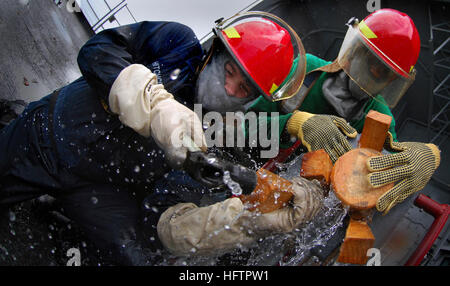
[[322, 132], [413, 166]]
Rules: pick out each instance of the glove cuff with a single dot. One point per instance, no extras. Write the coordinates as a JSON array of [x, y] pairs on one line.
[[296, 121], [185, 229], [436, 152], [134, 94]]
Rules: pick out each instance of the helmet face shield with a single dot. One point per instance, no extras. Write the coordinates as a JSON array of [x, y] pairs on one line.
[[361, 60], [268, 50]]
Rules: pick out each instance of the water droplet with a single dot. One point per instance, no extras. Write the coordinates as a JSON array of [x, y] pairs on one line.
[[174, 74], [211, 160], [137, 169], [94, 200], [276, 195], [227, 227], [232, 185], [94, 115], [12, 216]]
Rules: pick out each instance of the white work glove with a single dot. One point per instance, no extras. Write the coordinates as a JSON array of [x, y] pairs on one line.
[[145, 106], [186, 229]]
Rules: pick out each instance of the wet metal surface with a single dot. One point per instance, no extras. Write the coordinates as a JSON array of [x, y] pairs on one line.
[[40, 44]]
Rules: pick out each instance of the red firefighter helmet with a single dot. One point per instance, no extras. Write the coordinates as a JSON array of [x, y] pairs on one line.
[[394, 37], [268, 50], [379, 53]]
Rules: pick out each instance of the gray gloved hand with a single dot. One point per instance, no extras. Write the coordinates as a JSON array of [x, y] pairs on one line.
[[306, 202], [186, 229]]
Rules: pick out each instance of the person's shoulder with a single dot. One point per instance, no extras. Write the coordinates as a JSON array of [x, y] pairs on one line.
[[172, 24], [313, 57], [313, 62]]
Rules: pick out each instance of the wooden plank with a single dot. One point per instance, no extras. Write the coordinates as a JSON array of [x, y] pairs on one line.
[[349, 175], [317, 165], [376, 126], [358, 239], [349, 180], [350, 183], [271, 193]]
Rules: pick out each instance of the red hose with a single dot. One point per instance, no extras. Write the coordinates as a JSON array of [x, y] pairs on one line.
[[440, 213], [281, 157]]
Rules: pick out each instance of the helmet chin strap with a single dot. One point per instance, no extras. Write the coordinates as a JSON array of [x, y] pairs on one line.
[[200, 68]]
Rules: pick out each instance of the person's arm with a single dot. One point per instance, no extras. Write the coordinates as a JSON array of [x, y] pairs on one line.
[[377, 104], [146, 107], [253, 130], [313, 62], [106, 54], [114, 63], [272, 113], [186, 229]]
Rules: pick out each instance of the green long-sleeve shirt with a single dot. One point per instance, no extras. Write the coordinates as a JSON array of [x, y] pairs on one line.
[[315, 103]]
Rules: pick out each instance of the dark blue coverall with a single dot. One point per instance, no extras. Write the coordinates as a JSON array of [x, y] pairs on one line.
[[69, 146]]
